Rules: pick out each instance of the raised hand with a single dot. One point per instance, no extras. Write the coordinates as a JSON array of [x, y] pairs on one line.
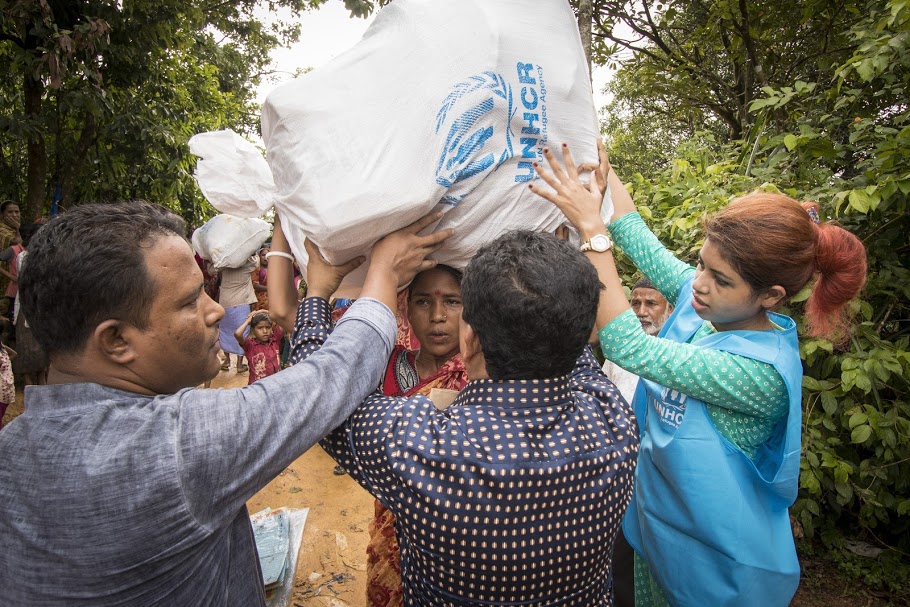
[[322, 277], [579, 202], [399, 256], [404, 252], [601, 169]]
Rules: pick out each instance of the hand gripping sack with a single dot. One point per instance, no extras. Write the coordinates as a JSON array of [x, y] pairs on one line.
[[228, 241], [443, 104]]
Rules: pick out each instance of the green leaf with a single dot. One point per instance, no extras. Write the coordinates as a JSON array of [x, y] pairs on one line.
[[812, 459], [829, 403], [812, 506], [881, 372], [810, 482], [808, 348], [848, 378], [865, 69], [844, 491], [791, 141], [802, 294], [860, 434], [761, 103], [860, 200], [863, 382], [856, 419], [811, 383]]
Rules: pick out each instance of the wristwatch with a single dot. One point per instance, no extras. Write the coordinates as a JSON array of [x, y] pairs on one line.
[[598, 243]]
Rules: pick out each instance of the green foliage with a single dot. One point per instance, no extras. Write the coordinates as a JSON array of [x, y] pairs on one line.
[[101, 96], [701, 64], [889, 572], [886, 572], [837, 132]]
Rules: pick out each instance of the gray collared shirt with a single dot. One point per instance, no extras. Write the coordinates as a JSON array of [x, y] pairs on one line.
[[114, 498]]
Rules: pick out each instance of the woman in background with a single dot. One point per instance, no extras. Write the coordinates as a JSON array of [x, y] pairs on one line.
[[31, 361], [236, 296], [433, 313]]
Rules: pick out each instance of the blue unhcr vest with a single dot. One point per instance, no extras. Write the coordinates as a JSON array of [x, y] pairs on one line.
[[711, 523]]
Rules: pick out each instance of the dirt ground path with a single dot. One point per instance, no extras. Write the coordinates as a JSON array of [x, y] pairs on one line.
[[331, 569]]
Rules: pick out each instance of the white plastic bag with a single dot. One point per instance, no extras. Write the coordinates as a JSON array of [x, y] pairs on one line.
[[443, 104], [228, 241], [232, 174]]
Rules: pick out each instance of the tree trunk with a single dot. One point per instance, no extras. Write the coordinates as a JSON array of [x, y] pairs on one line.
[[585, 19], [71, 169], [36, 176]]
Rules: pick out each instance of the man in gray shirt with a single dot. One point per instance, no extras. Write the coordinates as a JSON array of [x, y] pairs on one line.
[[122, 485]]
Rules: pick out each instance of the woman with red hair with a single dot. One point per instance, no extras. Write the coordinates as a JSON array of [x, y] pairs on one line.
[[719, 404]]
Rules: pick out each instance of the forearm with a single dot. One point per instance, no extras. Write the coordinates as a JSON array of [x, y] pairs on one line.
[[238, 334], [613, 300], [714, 376], [661, 267], [280, 286], [360, 445], [355, 444], [311, 329], [622, 200], [381, 284], [234, 441]]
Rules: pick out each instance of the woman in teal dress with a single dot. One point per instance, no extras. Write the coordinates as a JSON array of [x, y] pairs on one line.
[[719, 405]]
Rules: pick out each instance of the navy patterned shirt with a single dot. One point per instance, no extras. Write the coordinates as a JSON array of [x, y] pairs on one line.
[[511, 496]]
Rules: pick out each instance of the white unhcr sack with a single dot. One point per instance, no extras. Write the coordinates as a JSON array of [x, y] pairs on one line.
[[228, 241], [443, 103]]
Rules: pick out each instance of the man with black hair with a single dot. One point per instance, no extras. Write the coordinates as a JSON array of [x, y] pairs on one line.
[[514, 494], [120, 485]]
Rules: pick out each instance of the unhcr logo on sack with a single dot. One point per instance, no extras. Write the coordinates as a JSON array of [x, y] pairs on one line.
[[534, 117], [476, 119]]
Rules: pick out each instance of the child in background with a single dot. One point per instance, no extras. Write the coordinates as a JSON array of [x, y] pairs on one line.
[[261, 346]]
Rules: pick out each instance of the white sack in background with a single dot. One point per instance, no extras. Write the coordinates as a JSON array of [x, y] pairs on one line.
[[442, 103], [228, 241], [232, 174]]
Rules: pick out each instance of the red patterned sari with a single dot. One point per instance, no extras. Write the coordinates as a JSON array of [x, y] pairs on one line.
[[383, 559]]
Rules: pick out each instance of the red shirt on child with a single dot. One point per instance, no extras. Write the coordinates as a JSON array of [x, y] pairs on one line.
[[264, 358]]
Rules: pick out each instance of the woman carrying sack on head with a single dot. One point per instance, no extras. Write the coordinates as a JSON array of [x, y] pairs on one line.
[[431, 305], [719, 404]]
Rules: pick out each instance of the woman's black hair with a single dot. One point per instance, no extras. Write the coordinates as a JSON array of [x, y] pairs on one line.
[[456, 274]]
